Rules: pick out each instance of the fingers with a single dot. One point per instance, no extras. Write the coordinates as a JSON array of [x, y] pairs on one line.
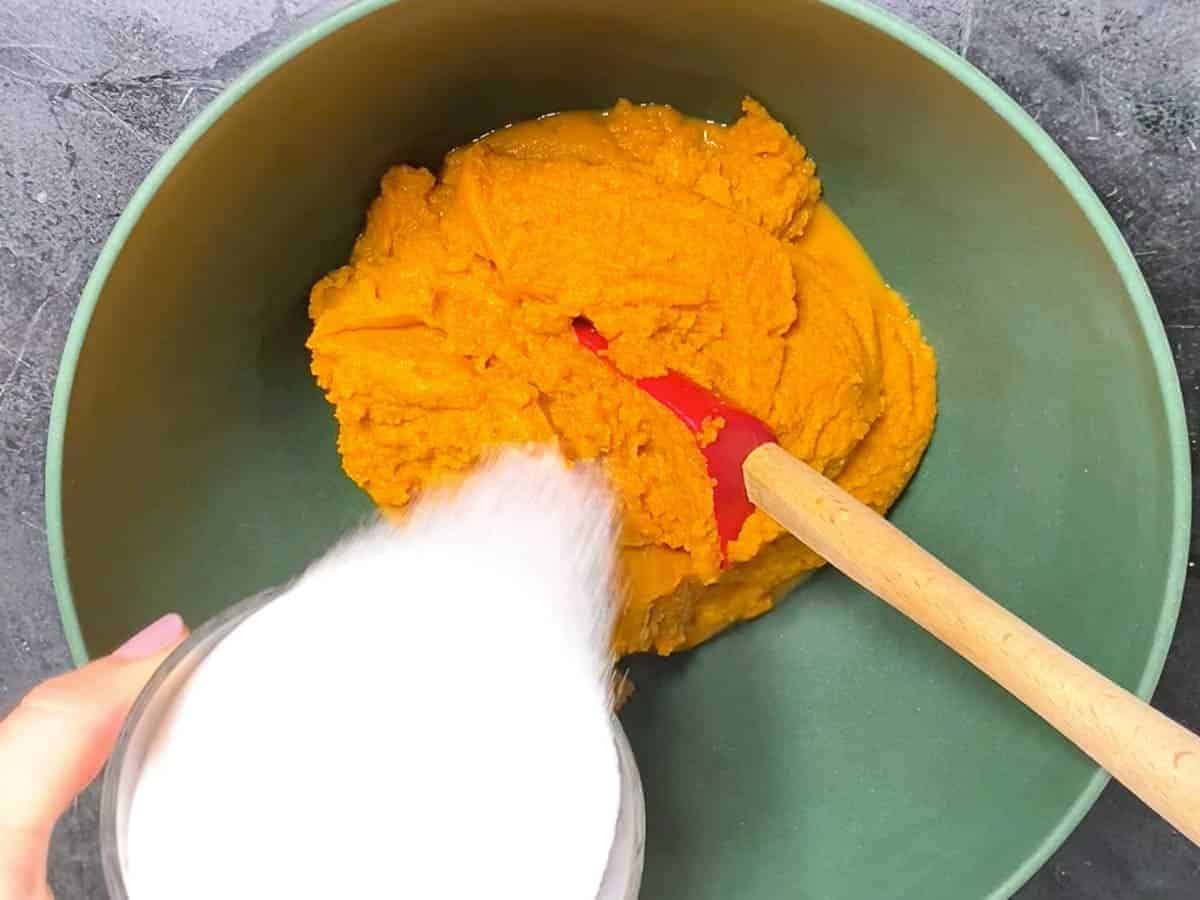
[[56, 741]]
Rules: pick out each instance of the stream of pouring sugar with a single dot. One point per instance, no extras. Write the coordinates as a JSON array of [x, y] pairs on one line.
[[424, 713]]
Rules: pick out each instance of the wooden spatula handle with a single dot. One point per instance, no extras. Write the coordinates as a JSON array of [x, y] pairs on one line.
[[1156, 758]]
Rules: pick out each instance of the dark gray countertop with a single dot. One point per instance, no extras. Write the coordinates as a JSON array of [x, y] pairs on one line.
[[92, 91]]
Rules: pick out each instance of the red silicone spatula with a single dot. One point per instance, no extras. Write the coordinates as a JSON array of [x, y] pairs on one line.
[[1156, 758]]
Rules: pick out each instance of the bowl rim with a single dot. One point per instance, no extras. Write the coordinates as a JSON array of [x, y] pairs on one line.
[[958, 68]]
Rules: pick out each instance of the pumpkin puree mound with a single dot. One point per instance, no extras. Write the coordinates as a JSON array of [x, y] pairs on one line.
[[693, 247]]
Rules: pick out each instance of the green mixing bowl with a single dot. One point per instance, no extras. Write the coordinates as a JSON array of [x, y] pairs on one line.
[[831, 749]]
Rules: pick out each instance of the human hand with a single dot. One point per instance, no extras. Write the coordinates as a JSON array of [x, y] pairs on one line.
[[56, 741]]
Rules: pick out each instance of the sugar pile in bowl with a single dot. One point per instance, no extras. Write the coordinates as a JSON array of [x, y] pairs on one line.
[[424, 713]]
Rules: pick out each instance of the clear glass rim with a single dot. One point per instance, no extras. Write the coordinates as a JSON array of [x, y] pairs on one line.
[[622, 875], [111, 797]]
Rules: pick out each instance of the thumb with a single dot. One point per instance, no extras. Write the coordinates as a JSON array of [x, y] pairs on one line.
[[56, 741]]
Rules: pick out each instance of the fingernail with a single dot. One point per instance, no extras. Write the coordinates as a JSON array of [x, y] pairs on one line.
[[154, 637]]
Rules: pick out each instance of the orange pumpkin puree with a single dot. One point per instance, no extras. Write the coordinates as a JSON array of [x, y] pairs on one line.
[[695, 247]]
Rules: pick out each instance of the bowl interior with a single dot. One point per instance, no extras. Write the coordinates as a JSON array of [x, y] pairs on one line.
[[831, 749]]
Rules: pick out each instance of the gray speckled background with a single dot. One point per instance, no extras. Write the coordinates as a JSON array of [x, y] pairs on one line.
[[92, 91]]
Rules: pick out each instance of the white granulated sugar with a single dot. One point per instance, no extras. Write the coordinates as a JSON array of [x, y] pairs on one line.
[[424, 714]]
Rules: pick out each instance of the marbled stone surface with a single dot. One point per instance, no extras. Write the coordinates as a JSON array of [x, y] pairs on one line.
[[92, 91]]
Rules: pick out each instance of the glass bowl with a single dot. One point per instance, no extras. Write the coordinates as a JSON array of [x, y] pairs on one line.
[[622, 876]]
